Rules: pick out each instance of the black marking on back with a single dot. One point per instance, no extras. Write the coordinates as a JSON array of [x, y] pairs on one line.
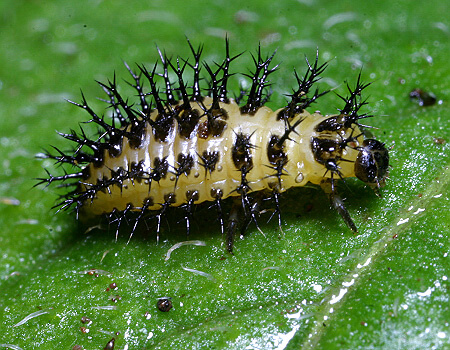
[[277, 157], [137, 171], [325, 149], [241, 152], [187, 121], [275, 151]]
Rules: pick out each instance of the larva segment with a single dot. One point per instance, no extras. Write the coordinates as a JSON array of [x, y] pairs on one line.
[[188, 144]]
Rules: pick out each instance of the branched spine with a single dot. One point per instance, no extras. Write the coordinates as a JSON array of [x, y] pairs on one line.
[[259, 83]]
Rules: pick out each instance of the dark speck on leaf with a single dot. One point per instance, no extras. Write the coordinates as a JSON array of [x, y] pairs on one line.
[[164, 304], [424, 98]]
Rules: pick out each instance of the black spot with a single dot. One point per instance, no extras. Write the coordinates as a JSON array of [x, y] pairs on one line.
[[275, 152], [185, 164], [282, 115], [86, 173], [137, 172], [160, 167], [162, 126], [148, 202], [241, 152], [118, 176], [114, 141], [187, 121], [209, 160], [192, 195], [169, 198], [330, 124], [217, 121], [136, 135], [325, 149], [216, 193], [203, 131]]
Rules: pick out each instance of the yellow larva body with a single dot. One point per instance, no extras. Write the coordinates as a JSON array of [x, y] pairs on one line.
[[301, 169]]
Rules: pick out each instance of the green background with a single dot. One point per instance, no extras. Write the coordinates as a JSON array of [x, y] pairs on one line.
[[318, 286]]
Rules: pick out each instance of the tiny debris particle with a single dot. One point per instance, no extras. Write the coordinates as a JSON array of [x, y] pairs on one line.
[[94, 272], [32, 315], [110, 345], [85, 319], [164, 304], [422, 97], [11, 346], [9, 201], [116, 298], [180, 244], [201, 273], [439, 141]]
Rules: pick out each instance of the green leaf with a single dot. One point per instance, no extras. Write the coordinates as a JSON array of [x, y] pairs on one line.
[[313, 286]]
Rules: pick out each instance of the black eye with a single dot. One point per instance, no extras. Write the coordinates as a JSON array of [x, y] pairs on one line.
[[372, 163]]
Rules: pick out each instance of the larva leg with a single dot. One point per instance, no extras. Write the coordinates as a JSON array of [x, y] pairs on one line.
[[118, 216], [191, 197], [168, 200], [276, 200], [217, 194], [233, 222], [143, 210], [252, 210], [338, 203]]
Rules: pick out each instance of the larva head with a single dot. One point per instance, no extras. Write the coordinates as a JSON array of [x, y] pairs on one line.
[[371, 165]]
